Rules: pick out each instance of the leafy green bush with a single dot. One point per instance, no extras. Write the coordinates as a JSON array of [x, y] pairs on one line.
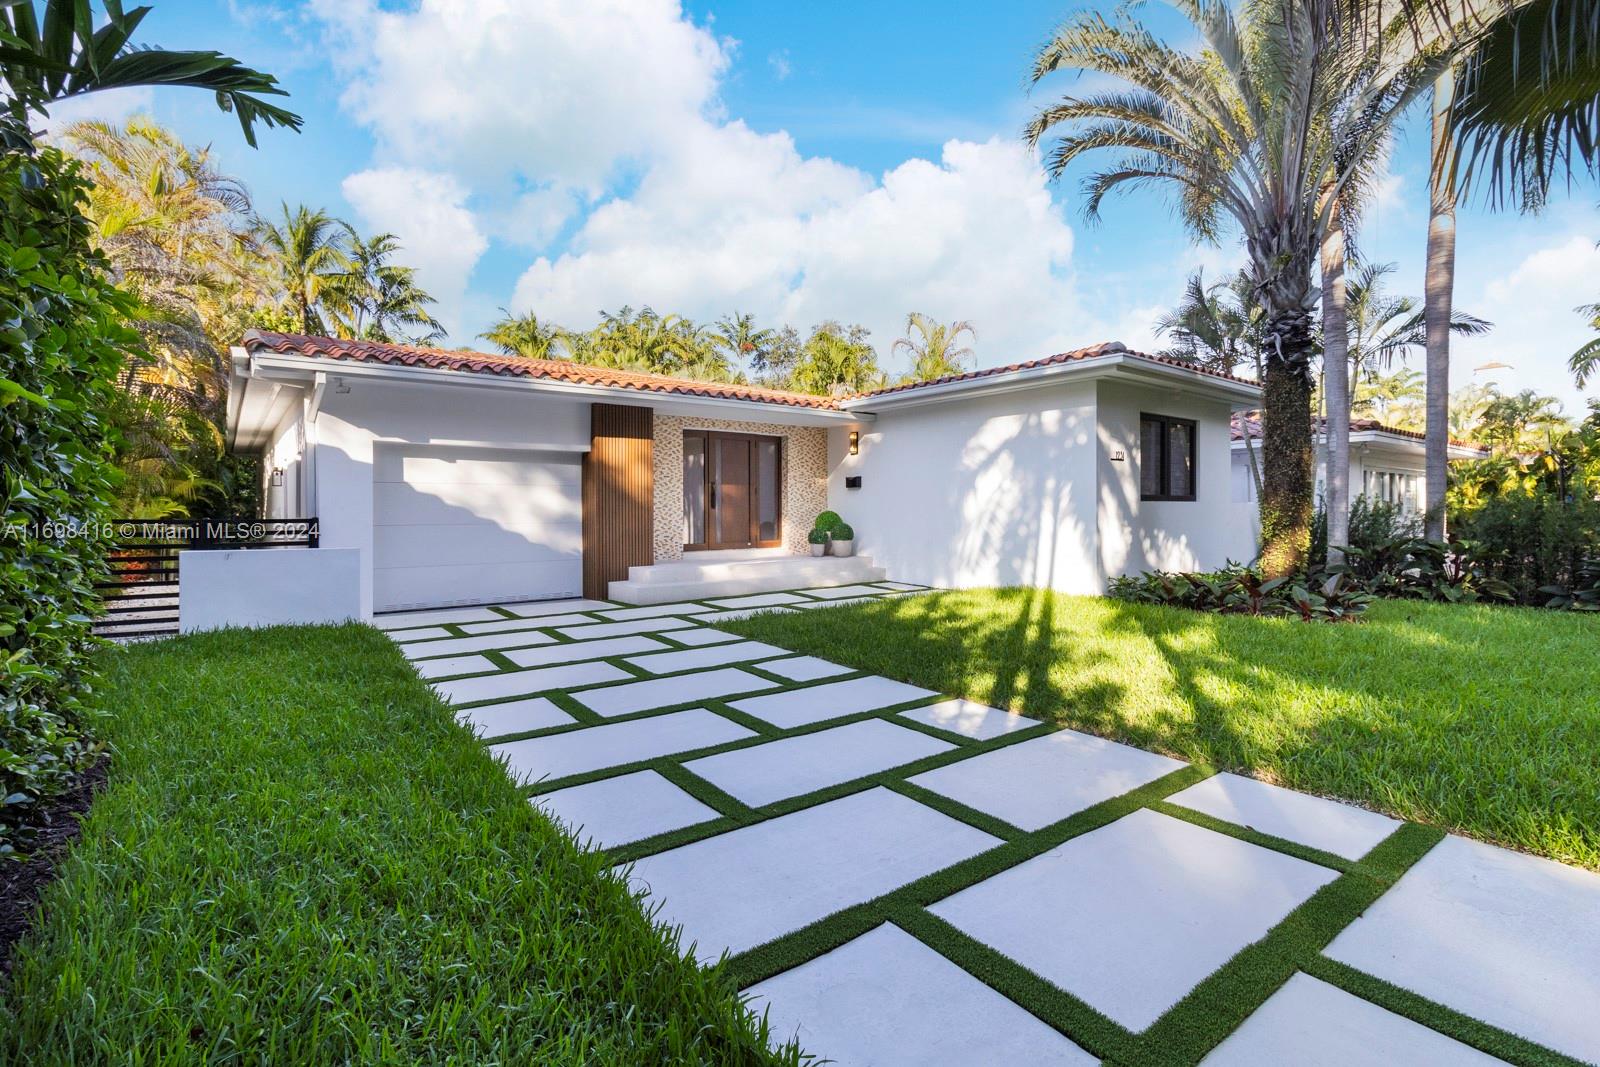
[[844, 532], [827, 521], [1582, 595], [1371, 521], [62, 339], [818, 536], [1239, 590], [1535, 518], [1417, 569]]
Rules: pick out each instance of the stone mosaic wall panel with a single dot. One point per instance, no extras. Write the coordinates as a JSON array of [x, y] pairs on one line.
[[805, 478]]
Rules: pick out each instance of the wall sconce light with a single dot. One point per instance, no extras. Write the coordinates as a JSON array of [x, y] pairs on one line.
[[855, 442], [341, 386], [1117, 456], [277, 475]]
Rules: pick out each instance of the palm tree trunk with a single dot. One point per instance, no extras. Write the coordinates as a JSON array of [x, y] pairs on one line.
[[1253, 450], [1438, 288], [1336, 392], [1288, 481]]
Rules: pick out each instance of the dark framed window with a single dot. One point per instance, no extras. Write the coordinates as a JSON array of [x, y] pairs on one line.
[[1166, 458]]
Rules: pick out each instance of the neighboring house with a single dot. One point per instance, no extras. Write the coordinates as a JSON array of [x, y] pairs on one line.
[[1386, 464], [463, 477]]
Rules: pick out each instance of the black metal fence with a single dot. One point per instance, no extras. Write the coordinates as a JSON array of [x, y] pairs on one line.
[[140, 599]]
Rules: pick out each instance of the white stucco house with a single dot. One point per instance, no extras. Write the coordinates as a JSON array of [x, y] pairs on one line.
[[1386, 464], [459, 477]]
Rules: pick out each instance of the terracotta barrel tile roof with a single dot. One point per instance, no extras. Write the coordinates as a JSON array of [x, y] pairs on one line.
[[257, 341], [558, 370]]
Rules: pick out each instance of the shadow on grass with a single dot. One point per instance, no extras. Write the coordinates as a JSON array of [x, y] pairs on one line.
[[1479, 719]]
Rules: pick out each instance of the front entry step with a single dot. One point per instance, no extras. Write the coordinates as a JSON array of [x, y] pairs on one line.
[[666, 583]]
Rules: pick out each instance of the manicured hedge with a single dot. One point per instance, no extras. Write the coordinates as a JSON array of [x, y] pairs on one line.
[[63, 338]]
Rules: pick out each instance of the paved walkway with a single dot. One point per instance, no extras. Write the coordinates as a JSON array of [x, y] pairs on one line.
[[903, 876]]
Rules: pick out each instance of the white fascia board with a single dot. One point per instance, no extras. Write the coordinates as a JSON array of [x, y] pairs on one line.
[[238, 383], [314, 406], [1396, 442], [1119, 365], [302, 368]]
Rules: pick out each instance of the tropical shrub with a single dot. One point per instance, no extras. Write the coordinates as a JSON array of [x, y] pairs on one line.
[[63, 337], [1372, 522], [1535, 516], [1418, 569], [1582, 595], [1237, 590]]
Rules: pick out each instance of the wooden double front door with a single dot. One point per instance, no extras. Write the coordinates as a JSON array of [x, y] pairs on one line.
[[732, 490]]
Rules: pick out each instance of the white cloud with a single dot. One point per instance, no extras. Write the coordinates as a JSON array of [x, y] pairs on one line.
[[781, 67], [608, 112], [535, 217], [440, 237], [1536, 328], [552, 90], [108, 105], [742, 221]]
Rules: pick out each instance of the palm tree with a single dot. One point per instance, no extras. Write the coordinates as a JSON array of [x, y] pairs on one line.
[[376, 299], [740, 337], [1523, 422], [1524, 109], [174, 232], [525, 335], [1586, 360], [73, 50], [1437, 293], [836, 359], [1266, 126], [1393, 399], [934, 350], [173, 229], [308, 250], [1215, 326], [647, 341], [1467, 406], [1384, 327]]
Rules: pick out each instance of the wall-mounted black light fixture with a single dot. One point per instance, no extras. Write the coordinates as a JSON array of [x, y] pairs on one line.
[[855, 442]]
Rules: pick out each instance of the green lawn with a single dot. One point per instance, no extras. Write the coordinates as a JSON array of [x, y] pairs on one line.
[[301, 859], [1482, 720]]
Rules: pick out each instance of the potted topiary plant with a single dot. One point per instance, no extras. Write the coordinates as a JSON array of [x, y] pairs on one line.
[[842, 539], [827, 521], [818, 539]]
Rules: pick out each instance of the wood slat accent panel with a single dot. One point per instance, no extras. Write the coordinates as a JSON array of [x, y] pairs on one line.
[[618, 495]]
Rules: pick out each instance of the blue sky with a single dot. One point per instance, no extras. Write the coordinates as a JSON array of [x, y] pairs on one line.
[[799, 161]]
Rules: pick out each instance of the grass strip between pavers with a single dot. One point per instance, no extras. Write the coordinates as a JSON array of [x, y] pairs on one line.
[[1510, 1047]]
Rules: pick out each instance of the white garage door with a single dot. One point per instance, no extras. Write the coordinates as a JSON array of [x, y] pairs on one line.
[[473, 526]]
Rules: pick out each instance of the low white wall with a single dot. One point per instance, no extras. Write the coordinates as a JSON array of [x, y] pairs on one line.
[[267, 587]]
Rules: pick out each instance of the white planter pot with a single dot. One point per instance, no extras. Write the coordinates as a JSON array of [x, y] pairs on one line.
[[843, 548], [820, 550]]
